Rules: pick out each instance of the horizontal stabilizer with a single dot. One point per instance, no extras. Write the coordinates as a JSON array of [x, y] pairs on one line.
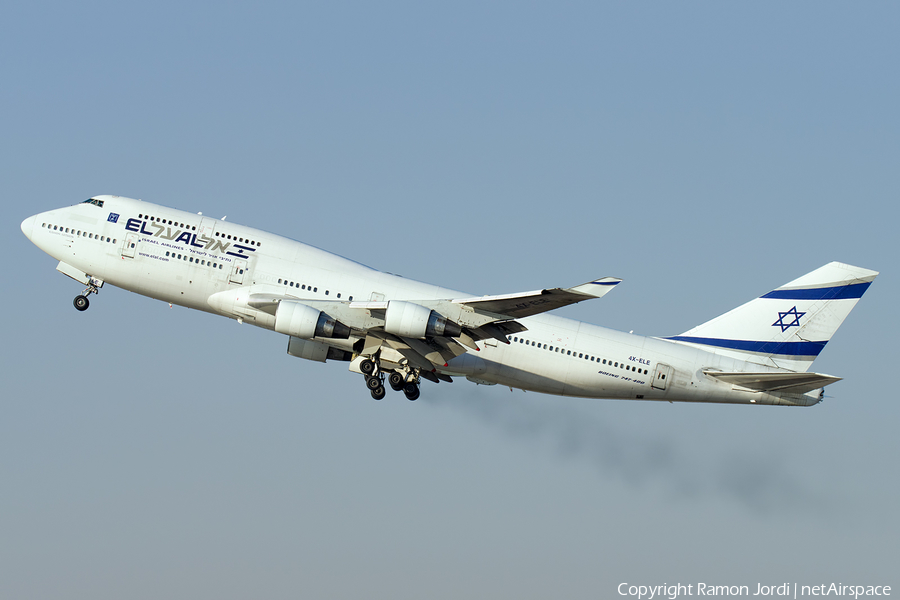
[[527, 304], [794, 383]]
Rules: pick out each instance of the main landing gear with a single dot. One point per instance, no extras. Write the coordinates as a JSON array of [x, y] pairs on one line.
[[407, 382], [376, 386], [81, 302], [374, 378], [411, 390], [397, 381]]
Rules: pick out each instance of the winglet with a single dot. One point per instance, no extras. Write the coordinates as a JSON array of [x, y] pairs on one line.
[[597, 288]]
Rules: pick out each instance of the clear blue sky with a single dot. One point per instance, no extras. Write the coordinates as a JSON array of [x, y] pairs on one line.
[[705, 153]]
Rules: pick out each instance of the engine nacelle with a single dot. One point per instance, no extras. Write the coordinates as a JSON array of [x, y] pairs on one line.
[[302, 321], [317, 351], [408, 319]]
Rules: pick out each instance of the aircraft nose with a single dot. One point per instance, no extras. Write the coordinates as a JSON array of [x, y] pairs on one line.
[[28, 226]]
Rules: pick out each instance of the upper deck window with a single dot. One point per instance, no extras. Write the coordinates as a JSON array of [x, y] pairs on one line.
[[94, 202]]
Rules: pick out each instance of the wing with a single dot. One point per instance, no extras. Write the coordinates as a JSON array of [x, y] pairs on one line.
[[527, 304], [464, 321]]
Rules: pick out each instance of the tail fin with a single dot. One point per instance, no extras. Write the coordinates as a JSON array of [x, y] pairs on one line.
[[790, 326]]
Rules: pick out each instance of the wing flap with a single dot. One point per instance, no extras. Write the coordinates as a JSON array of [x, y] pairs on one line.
[[794, 383]]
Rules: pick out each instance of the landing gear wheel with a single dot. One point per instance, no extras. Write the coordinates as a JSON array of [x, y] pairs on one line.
[[412, 391], [373, 383], [367, 367], [378, 393], [396, 381], [81, 303]]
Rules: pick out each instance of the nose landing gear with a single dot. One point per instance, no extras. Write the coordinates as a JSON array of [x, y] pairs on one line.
[[81, 301]]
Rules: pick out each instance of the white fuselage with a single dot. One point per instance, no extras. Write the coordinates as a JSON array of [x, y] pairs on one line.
[[189, 259]]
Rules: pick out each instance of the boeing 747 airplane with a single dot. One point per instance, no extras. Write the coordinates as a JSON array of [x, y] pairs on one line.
[[395, 330]]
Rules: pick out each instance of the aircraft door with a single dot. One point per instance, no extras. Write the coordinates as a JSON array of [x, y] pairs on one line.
[[130, 245], [661, 376], [206, 231], [238, 270]]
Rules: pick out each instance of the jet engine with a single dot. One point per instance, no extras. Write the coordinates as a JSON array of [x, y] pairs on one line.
[[408, 319], [302, 321]]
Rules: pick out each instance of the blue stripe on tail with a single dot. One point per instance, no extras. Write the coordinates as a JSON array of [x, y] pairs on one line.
[[844, 292]]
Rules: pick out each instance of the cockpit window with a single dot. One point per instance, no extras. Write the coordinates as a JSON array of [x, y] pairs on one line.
[[94, 202]]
